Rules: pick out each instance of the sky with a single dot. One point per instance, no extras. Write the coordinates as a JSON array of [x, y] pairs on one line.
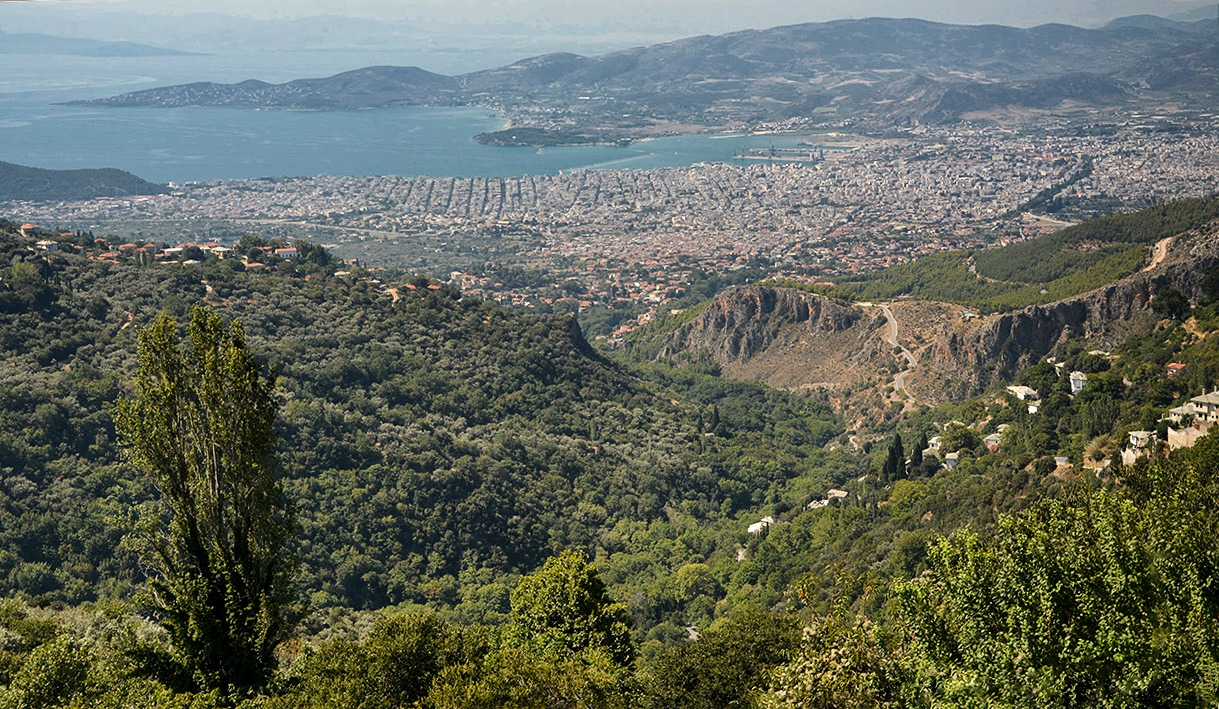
[[691, 16], [457, 36]]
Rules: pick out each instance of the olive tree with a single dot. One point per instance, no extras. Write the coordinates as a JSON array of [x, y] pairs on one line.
[[201, 424], [564, 609]]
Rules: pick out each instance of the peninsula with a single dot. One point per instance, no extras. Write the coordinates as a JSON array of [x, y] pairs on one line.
[[873, 72]]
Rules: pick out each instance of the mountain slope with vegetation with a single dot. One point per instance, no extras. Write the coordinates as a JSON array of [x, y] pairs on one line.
[[975, 584], [490, 512], [34, 184], [440, 446], [1067, 263]]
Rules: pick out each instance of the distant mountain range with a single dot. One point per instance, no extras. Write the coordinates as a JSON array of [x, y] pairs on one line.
[[886, 69], [21, 183], [46, 44]]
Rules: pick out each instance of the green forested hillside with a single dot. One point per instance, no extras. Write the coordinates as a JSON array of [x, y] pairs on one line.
[[438, 446], [1042, 270], [34, 184]]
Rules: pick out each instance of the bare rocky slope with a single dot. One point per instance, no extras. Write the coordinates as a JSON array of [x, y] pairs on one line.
[[797, 340]]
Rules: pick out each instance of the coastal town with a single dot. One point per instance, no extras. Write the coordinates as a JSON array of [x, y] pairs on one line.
[[637, 239]]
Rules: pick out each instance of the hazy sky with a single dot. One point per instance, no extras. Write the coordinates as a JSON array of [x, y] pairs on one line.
[[689, 15]]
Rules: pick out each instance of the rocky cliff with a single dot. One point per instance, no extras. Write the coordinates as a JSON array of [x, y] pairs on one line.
[[791, 340], [966, 358], [797, 340], [744, 322]]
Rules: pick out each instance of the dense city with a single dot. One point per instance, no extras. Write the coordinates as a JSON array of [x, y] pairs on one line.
[[636, 239]]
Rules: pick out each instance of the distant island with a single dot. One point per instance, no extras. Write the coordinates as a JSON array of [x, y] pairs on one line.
[[70, 46], [880, 72], [33, 184]]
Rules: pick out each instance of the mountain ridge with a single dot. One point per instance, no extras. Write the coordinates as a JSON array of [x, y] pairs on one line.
[[863, 69], [34, 43]]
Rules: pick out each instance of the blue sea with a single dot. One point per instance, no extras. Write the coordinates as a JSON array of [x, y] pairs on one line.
[[197, 144]]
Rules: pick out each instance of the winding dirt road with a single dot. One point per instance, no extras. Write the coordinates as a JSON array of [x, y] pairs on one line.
[[899, 382]]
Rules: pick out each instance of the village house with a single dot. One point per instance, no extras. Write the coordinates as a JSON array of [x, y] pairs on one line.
[[1137, 446], [1178, 413], [1187, 436], [1028, 395], [1192, 420], [761, 525], [1078, 381], [1206, 407], [1203, 409], [830, 496]]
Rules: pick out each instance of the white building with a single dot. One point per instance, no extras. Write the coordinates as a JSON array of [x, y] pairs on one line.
[[1204, 408], [1139, 440], [1177, 413], [761, 525], [1078, 381]]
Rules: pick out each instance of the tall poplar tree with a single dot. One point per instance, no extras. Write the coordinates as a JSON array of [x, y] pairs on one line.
[[201, 425]]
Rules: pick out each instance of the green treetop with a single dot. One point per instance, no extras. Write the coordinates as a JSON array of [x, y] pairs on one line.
[[565, 609]]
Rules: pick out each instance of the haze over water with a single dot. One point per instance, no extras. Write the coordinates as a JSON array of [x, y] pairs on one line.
[[196, 144]]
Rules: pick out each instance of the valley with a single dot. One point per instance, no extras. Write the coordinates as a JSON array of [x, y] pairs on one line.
[[416, 421]]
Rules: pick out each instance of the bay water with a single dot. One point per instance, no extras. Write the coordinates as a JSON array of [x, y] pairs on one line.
[[198, 144]]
